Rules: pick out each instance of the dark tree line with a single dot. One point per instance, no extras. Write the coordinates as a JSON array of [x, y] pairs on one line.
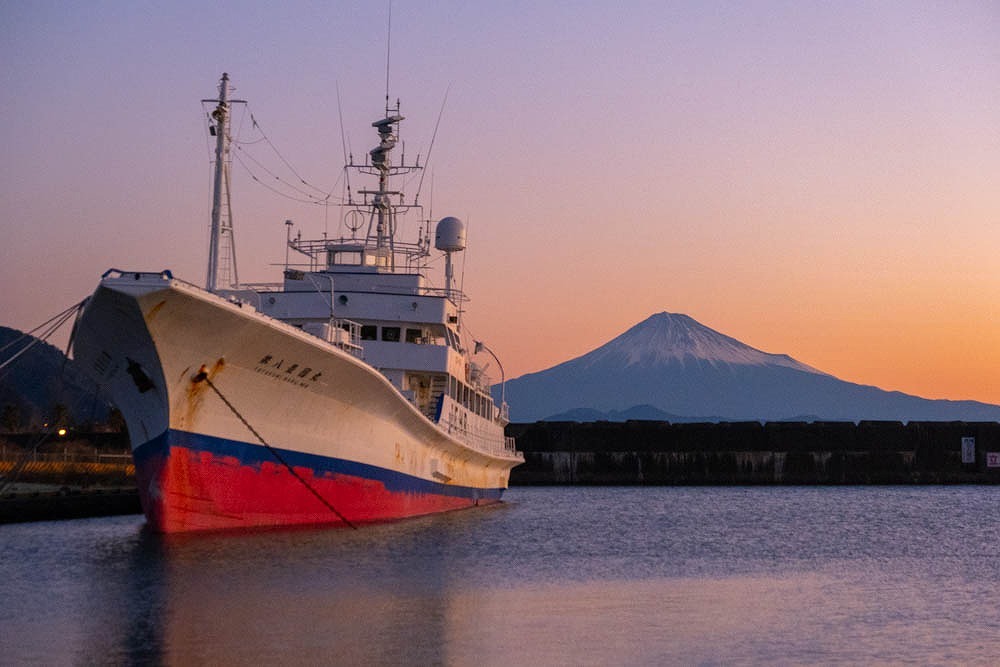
[[16, 418]]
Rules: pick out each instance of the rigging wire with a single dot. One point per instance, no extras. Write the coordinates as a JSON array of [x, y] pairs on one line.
[[427, 159], [243, 119], [242, 145], [281, 157], [345, 172], [72, 308], [277, 177], [324, 195], [311, 198], [53, 324]]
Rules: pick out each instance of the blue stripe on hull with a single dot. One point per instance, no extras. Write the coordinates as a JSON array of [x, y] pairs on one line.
[[253, 455]]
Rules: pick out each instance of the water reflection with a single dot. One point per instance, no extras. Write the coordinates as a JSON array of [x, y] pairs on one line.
[[566, 576], [123, 600], [379, 594]]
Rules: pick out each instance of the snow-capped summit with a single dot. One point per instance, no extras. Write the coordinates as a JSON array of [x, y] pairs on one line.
[[666, 337], [672, 364]]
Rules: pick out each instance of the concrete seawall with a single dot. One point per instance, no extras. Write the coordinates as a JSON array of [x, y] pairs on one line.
[[646, 452], [68, 503]]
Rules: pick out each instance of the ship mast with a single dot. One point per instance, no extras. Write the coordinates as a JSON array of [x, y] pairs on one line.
[[222, 244]]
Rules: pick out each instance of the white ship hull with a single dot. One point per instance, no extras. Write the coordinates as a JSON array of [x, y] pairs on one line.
[[237, 419]]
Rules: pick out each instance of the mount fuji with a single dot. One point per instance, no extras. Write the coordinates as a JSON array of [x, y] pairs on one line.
[[671, 367]]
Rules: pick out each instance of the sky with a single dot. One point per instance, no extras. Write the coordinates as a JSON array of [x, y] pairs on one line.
[[814, 179]]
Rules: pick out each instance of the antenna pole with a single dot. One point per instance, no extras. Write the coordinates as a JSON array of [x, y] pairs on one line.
[[388, 43]]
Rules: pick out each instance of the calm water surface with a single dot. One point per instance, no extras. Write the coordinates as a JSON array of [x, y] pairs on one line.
[[630, 576]]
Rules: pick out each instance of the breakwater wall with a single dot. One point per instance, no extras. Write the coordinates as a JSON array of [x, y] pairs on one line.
[[68, 504], [648, 452]]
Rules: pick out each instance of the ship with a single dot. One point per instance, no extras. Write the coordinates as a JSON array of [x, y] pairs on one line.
[[347, 393]]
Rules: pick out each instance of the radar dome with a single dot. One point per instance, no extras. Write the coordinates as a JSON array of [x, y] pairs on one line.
[[450, 235]]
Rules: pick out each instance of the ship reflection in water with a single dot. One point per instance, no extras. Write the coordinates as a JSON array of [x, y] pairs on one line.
[[555, 576]]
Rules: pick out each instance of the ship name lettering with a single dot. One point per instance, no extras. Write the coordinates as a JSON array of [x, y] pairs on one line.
[[294, 373]]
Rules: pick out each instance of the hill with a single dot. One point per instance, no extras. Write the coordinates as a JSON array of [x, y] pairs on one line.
[[42, 385]]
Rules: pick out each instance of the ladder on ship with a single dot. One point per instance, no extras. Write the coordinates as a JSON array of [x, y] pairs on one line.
[[439, 387]]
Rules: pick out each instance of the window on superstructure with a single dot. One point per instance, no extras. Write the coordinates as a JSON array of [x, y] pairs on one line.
[[345, 258], [369, 332], [413, 335], [390, 334]]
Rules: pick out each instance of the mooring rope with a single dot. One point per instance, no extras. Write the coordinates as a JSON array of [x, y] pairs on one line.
[[202, 375]]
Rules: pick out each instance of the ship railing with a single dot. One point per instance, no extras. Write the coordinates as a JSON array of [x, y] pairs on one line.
[[113, 273], [484, 443], [165, 274], [245, 290], [352, 343], [234, 295], [321, 252], [263, 287]]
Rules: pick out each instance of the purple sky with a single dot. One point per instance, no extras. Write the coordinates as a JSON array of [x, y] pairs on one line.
[[817, 179]]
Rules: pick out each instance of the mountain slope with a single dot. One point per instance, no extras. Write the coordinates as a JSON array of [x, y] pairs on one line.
[[42, 381], [679, 366]]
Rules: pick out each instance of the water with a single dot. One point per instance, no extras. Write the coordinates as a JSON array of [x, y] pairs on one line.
[[572, 576]]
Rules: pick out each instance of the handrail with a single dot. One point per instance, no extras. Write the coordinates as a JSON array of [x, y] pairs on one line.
[[483, 443]]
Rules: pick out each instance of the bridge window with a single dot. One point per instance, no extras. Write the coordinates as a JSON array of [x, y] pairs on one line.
[[344, 258], [390, 334], [413, 335], [369, 332]]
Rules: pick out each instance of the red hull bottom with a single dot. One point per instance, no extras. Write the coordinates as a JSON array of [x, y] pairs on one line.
[[189, 489]]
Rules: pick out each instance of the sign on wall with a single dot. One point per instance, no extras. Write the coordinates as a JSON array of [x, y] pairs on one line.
[[968, 450]]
